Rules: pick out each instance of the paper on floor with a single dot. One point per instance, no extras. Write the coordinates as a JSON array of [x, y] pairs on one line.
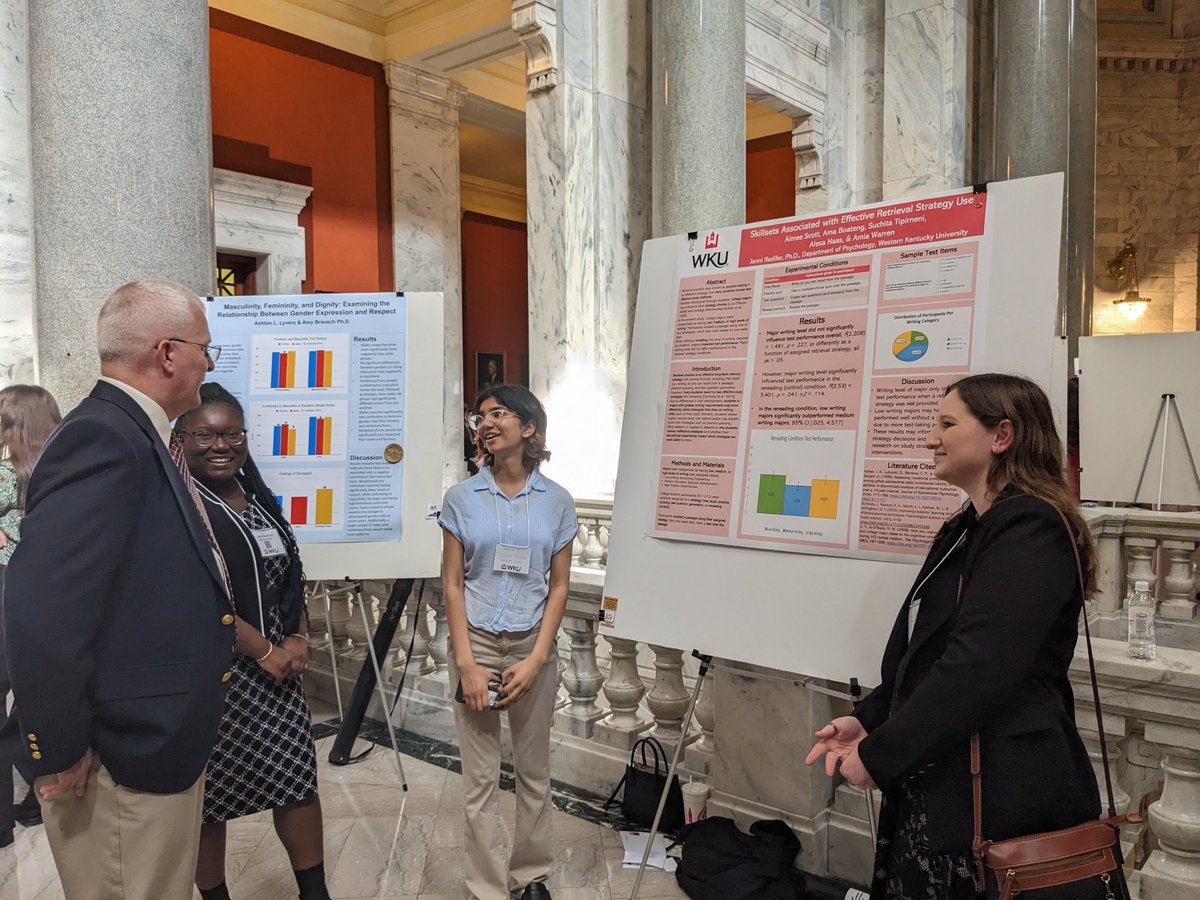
[[634, 843]]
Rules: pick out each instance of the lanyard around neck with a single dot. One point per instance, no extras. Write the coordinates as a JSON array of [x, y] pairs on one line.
[[496, 505]]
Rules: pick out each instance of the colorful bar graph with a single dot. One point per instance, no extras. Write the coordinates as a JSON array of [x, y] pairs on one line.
[[320, 435], [324, 506], [283, 440], [283, 369], [816, 500], [320, 368]]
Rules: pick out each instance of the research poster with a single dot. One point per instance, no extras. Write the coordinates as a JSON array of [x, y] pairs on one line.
[[321, 378], [808, 358]]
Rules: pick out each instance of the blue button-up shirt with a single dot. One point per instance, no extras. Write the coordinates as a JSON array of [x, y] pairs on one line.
[[481, 516]]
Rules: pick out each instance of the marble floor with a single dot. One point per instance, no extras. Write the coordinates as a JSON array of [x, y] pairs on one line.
[[378, 843]]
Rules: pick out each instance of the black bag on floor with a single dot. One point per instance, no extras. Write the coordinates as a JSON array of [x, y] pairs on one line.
[[722, 863], [643, 785]]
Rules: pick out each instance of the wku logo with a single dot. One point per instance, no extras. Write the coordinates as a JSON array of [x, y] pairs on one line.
[[710, 260], [710, 242]]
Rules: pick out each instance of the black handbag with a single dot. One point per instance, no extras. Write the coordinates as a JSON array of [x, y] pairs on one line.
[[643, 783]]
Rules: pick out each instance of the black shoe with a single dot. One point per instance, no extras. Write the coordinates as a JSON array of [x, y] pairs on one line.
[[536, 891], [28, 812], [6, 838]]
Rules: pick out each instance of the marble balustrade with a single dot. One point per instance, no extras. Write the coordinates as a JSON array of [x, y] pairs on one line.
[[1159, 547], [616, 690]]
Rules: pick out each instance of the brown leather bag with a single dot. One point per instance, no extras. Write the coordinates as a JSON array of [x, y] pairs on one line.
[[1087, 852]]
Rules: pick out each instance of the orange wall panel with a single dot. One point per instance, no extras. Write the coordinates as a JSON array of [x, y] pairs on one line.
[[311, 106], [770, 178], [495, 295]]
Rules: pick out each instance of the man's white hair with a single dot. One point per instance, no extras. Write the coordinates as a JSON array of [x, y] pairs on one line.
[[136, 316]]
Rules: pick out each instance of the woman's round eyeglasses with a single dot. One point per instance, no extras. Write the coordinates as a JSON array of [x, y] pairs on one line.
[[496, 416], [234, 437]]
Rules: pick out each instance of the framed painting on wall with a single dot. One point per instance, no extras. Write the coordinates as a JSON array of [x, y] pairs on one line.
[[489, 369]]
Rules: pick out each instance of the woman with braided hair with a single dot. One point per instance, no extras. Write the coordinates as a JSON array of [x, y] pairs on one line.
[[264, 756]]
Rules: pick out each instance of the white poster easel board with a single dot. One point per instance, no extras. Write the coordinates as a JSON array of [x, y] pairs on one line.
[[368, 369], [1121, 386], [821, 615]]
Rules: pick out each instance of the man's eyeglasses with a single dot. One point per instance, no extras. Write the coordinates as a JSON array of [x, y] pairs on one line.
[[212, 351], [495, 416], [234, 437]]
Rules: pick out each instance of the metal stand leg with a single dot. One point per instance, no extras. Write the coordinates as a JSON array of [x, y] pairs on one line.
[[705, 661], [387, 713], [337, 688]]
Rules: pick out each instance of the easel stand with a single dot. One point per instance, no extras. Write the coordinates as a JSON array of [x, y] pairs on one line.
[[705, 662], [371, 678], [1164, 419]]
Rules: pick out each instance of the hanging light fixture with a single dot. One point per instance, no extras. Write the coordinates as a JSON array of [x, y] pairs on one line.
[[1123, 269]]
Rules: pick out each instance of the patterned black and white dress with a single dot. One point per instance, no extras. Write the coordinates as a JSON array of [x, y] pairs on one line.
[[264, 755]]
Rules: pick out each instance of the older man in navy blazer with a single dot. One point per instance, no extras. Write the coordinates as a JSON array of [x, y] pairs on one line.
[[120, 629]]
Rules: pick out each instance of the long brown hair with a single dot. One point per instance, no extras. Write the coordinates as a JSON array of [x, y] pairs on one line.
[[1033, 462], [28, 415]]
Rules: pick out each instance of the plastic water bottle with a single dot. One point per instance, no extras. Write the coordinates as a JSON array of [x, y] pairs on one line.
[[1141, 622]]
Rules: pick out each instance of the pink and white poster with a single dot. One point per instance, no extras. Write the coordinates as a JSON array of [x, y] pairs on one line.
[[807, 361]]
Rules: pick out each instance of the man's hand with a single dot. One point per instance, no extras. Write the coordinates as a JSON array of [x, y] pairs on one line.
[[836, 741], [517, 680], [73, 779]]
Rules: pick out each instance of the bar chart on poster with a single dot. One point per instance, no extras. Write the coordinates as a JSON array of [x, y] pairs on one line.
[[342, 396], [775, 490]]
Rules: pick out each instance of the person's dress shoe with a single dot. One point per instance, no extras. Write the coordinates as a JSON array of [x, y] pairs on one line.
[[6, 838], [28, 812], [536, 891]]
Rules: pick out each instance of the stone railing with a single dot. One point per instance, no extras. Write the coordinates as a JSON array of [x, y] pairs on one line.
[[1160, 547], [752, 725]]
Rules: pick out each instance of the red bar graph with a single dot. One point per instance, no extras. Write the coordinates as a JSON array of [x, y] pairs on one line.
[[299, 514]]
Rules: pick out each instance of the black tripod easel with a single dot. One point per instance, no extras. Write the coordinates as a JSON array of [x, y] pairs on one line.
[[370, 676], [1165, 408]]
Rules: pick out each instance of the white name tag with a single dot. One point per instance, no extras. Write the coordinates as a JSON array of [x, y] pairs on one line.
[[269, 542], [514, 560]]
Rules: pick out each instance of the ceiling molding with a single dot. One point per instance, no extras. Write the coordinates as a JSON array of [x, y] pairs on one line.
[[492, 198], [1148, 55]]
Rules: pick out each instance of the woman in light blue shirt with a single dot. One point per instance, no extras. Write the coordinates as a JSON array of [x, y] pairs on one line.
[[506, 566]]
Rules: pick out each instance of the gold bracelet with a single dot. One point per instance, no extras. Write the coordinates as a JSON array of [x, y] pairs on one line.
[[270, 650]]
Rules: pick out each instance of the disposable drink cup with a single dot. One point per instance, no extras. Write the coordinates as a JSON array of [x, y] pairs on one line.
[[695, 801]]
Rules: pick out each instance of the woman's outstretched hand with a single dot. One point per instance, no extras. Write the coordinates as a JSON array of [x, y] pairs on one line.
[[835, 742]]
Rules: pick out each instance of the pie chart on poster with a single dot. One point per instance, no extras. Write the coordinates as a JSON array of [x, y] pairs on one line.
[[909, 346]]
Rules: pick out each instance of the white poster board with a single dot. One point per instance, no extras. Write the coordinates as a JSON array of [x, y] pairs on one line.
[[822, 615], [1121, 386], [343, 401]]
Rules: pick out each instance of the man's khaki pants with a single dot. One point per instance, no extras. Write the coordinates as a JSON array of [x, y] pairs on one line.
[[115, 842], [487, 876]]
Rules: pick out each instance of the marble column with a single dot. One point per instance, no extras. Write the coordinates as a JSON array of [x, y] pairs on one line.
[[16, 218], [853, 157], [122, 165], [698, 94], [587, 188], [1045, 90], [924, 96], [426, 221]]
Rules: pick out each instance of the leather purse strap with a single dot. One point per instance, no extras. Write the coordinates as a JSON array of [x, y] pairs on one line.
[[978, 844]]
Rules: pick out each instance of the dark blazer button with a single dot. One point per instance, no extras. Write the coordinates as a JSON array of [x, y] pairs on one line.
[[227, 619]]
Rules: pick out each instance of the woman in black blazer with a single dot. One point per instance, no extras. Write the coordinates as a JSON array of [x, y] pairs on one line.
[[982, 643]]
